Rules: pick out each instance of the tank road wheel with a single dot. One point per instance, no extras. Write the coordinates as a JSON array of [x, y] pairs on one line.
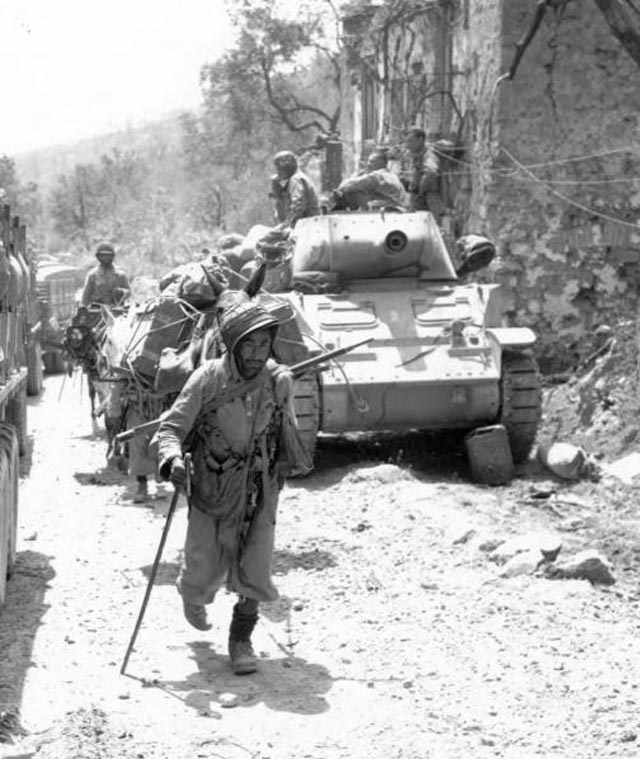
[[306, 401], [521, 401]]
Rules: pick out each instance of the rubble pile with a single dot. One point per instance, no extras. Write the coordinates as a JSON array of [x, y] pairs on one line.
[[597, 405]]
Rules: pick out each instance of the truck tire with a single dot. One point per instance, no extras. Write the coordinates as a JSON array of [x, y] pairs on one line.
[[306, 401], [53, 363], [521, 401], [16, 416], [8, 503], [35, 368]]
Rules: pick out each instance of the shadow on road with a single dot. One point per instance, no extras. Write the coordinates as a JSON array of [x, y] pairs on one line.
[[108, 475], [289, 684], [427, 455], [20, 618], [316, 559], [166, 574]]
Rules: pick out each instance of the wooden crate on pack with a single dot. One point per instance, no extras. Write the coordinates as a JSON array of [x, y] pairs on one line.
[[163, 323]]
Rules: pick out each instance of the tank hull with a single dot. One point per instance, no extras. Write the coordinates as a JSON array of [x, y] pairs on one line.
[[408, 405], [415, 372]]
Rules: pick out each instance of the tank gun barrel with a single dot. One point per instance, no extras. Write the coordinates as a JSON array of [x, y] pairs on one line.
[[315, 362]]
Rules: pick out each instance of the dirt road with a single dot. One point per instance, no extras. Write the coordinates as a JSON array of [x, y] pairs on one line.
[[395, 637]]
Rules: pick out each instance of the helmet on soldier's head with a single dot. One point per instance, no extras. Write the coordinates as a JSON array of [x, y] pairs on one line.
[[105, 250], [285, 162], [242, 319], [230, 240]]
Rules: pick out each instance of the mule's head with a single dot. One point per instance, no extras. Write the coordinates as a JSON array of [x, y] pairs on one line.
[[116, 337]]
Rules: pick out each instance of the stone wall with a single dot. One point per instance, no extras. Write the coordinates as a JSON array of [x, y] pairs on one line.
[[563, 200], [477, 54]]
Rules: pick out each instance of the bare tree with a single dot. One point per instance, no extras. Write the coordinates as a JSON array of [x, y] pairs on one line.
[[621, 16]]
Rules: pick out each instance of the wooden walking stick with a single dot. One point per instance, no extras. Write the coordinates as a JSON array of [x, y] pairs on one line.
[[154, 568]]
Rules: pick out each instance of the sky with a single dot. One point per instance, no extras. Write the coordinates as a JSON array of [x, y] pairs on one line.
[[77, 68]]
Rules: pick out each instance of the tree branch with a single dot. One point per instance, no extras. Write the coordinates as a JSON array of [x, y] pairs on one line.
[[285, 113], [622, 26], [523, 44]]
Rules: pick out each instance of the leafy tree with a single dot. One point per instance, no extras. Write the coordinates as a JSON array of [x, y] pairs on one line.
[[25, 200], [265, 66], [74, 204], [277, 87], [9, 184], [137, 199]]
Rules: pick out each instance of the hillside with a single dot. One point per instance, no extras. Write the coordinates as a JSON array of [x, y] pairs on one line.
[[44, 165]]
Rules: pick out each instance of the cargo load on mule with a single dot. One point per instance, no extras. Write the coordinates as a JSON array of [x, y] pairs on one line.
[[140, 360]]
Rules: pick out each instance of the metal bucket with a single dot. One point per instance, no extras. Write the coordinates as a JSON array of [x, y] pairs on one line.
[[489, 455]]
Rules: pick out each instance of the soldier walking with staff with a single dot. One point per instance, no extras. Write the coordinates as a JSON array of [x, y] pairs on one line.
[[237, 412]]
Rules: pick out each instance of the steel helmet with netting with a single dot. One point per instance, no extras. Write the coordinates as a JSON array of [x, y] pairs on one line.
[[242, 319]]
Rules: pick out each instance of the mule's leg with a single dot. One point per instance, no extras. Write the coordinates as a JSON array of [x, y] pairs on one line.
[[115, 416], [95, 407], [92, 396]]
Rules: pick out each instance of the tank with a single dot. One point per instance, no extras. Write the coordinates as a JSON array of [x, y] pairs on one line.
[[439, 357]]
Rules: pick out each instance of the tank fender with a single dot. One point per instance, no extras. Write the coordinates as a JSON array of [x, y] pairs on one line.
[[513, 337]]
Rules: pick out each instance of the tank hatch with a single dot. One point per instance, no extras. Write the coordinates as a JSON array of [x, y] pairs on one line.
[[437, 308], [347, 314]]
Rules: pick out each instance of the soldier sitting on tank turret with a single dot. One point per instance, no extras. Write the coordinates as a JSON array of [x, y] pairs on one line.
[[377, 186]]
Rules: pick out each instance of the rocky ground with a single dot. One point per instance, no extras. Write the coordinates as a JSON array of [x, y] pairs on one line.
[[405, 627]]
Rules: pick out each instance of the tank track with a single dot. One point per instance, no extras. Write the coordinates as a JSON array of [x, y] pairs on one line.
[[306, 400], [521, 401]]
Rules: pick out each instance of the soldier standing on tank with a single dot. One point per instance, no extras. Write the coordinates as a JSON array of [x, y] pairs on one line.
[[421, 175], [292, 191], [105, 283]]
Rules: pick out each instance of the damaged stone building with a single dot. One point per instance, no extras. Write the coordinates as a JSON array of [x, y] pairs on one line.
[[534, 112]]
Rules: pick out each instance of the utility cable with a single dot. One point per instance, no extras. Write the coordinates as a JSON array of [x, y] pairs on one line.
[[576, 182], [538, 165], [566, 198]]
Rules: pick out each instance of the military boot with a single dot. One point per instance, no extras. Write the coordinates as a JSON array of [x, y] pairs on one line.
[[196, 615], [243, 659], [142, 490]]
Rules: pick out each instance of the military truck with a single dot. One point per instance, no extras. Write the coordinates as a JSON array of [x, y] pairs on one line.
[[16, 340], [439, 356], [57, 287]]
